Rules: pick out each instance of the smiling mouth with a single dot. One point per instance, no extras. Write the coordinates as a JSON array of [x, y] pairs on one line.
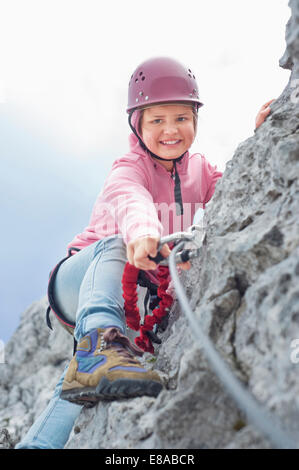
[[170, 142]]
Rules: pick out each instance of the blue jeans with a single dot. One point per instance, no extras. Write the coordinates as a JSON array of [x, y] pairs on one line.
[[87, 290]]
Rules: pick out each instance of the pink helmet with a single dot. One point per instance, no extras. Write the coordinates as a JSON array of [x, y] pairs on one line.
[[161, 80]]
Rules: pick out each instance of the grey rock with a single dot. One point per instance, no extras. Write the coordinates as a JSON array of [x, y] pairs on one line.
[[34, 361], [6, 441], [290, 59], [243, 289]]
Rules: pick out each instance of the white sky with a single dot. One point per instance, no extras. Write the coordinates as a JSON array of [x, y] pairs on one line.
[[65, 66]]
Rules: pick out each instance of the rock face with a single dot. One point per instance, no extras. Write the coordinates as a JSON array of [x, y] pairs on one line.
[[244, 290]]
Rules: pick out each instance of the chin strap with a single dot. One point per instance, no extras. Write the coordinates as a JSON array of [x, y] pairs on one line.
[[177, 181]]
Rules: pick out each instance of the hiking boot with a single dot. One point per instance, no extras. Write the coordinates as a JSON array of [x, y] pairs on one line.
[[104, 368]]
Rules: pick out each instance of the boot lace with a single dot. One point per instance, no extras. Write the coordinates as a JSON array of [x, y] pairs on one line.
[[121, 343]]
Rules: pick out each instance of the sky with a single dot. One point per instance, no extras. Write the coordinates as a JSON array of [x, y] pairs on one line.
[[64, 71]]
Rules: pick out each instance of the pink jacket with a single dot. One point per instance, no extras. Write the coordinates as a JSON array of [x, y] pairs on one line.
[[138, 197]]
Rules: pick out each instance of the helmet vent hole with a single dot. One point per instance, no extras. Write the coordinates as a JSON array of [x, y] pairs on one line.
[[143, 78], [136, 80]]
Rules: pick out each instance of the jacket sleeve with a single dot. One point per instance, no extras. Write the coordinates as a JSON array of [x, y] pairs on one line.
[[127, 192]]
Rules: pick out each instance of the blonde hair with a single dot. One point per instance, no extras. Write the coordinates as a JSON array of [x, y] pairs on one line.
[[186, 103]]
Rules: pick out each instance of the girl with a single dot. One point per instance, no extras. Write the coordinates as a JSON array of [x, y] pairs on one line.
[[149, 193]]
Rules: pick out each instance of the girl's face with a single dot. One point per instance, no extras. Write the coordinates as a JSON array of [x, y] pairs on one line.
[[168, 130]]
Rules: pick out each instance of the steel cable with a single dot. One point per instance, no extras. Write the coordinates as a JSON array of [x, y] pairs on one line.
[[254, 411]]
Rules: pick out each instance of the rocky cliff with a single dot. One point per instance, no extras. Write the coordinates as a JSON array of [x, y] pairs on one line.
[[244, 290]]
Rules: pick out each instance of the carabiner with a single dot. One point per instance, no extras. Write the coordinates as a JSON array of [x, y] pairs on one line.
[[191, 235]]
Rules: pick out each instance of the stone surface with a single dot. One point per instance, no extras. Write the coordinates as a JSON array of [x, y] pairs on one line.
[[243, 290], [34, 360]]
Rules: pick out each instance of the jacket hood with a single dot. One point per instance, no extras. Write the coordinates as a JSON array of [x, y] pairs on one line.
[[133, 140], [134, 144]]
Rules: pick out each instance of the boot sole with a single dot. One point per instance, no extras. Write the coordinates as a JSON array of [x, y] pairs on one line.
[[105, 390]]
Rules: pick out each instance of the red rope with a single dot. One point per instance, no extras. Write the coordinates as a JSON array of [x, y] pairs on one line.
[[129, 284]]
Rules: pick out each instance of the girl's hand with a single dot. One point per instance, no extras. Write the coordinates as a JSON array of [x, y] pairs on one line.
[[138, 251], [263, 113]]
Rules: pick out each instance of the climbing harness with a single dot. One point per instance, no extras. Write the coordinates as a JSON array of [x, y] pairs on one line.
[[157, 299], [69, 326]]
